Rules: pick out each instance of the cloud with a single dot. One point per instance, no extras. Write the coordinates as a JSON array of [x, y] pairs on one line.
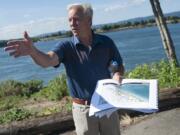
[[115, 7], [123, 5], [34, 27], [26, 15], [137, 2]]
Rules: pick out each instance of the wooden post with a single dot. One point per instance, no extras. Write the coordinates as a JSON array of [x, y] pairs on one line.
[[164, 32]]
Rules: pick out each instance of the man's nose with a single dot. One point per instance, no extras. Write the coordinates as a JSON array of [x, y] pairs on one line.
[[73, 23]]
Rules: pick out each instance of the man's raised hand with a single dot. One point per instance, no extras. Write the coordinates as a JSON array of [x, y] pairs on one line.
[[22, 47]]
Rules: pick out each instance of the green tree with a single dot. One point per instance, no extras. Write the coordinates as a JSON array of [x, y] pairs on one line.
[[106, 27], [3, 43]]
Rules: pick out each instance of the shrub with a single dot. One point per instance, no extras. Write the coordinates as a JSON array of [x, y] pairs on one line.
[[32, 86], [167, 75], [14, 114], [16, 88], [11, 87], [56, 89]]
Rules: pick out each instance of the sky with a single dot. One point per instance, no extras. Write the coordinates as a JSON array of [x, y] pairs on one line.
[[44, 16]]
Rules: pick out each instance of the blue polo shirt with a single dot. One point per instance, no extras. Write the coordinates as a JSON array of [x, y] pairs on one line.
[[85, 66]]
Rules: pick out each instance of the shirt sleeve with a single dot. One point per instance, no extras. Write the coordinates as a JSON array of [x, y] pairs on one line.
[[115, 54], [59, 50]]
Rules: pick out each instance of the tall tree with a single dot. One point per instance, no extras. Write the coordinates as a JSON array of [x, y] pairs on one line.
[[165, 35]]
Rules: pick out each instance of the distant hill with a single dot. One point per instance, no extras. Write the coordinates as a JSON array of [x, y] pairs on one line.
[[177, 13], [137, 19]]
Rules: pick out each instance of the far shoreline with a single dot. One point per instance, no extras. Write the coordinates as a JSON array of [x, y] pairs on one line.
[[102, 29]]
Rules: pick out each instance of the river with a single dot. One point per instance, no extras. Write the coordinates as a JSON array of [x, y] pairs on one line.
[[137, 46]]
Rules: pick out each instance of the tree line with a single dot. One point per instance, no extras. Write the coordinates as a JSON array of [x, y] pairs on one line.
[[142, 23]]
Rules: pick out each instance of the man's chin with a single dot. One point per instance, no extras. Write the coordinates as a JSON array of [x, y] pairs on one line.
[[75, 34]]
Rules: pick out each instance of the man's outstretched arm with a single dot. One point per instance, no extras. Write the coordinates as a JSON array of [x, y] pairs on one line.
[[25, 47]]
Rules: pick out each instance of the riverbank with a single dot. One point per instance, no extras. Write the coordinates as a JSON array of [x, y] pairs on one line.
[[19, 101], [62, 123]]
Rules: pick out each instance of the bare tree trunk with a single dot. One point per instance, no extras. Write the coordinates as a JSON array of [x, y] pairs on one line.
[[165, 35]]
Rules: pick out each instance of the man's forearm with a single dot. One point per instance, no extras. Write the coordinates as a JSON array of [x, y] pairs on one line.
[[41, 58]]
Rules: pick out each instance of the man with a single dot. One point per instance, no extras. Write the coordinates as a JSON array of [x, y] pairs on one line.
[[87, 57]]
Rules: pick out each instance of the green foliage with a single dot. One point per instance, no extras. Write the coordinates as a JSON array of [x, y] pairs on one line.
[[68, 33], [142, 71], [151, 21], [68, 106], [14, 114], [136, 23], [173, 19], [35, 39], [10, 102], [3, 43], [13, 94], [11, 87], [32, 86], [106, 27], [16, 88], [56, 89], [167, 75], [49, 111]]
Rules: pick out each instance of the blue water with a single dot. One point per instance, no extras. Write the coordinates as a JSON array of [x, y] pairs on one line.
[[141, 91], [136, 46]]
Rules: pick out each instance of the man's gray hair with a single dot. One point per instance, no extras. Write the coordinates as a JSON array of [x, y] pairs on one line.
[[87, 9]]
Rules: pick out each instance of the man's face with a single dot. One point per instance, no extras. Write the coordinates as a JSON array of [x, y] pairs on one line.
[[79, 23]]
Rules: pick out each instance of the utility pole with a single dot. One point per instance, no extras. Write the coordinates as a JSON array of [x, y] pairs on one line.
[[164, 32]]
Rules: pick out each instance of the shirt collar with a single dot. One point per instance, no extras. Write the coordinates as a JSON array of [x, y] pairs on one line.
[[95, 40], [76, 41]]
